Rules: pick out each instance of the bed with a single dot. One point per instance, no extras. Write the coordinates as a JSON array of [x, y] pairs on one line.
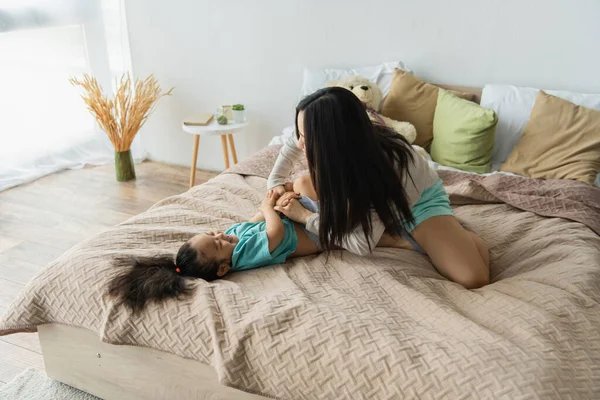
[[337, 326]]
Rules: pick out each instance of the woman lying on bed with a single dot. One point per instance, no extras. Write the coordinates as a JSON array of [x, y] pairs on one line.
[[369, 180], [266, 239]]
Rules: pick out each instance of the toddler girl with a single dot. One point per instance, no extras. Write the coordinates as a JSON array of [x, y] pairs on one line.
[[264, 240]]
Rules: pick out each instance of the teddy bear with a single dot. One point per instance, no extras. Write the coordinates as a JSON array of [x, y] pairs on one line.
[[370, 95]]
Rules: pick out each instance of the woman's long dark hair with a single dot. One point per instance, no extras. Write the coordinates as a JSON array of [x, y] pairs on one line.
[[156, 278], [355, 166]]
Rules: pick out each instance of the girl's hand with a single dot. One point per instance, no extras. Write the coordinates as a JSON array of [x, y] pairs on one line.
[[295, 211], [277, 190], [269, 201]]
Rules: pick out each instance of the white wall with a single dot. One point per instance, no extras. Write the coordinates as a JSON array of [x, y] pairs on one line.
[[253, 52]]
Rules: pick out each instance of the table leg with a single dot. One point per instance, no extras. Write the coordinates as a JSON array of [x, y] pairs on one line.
[[225, 152], [194, 159], [232, 145]]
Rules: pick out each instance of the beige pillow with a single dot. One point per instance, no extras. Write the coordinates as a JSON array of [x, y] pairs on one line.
[[412, 100], [561, 141]]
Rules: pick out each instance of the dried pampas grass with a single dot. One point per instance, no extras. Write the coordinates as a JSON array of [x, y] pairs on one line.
[[124, 115]]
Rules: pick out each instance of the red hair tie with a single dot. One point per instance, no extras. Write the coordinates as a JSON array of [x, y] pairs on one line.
[[177, 270]]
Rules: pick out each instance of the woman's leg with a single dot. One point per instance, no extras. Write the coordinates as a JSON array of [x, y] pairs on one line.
[[456, 253], [304, 186], [482, 248], [305, 246], [388, 240]]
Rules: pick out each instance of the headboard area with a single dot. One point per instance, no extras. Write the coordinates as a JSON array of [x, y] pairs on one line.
[[467, 89]]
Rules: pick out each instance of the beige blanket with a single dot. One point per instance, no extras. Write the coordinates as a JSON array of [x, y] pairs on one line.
[[384, 326]]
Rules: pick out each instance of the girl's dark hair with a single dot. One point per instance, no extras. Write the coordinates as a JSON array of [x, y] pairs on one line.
[[355, 166], [156, 279]]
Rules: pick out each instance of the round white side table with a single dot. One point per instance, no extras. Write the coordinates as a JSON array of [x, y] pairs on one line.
[[213, 129]]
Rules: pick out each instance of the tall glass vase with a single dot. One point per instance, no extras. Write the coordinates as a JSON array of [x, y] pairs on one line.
[[124, 167]]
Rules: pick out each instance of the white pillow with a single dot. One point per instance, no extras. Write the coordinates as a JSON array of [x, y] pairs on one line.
[[285, 133], [513, 106], [382, 74]]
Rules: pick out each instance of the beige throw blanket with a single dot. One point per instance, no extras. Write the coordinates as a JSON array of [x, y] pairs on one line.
[[385, 326]]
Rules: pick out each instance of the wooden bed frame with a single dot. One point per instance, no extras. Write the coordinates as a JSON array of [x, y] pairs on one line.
[[77, 357]]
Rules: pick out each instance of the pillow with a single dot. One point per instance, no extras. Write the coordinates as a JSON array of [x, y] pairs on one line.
[[317, 78], [561, 141], [463, 134], [285, 134], [513, 106], [412, 100]]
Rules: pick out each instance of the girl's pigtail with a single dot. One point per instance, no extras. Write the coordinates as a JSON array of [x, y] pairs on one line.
[[147, 279]]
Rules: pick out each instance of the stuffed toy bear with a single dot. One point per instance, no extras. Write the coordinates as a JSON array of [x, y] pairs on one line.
[[370, 95]]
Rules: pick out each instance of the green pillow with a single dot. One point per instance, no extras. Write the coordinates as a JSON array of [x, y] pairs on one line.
[[463, 134]]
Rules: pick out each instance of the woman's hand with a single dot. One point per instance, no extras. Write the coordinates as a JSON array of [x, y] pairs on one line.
[[295, 211], [284, 199], [277, 190]]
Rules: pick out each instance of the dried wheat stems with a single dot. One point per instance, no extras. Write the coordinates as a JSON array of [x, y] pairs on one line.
[[123, 116]]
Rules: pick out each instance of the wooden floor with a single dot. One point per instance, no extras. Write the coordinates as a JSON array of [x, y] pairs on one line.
[[42, 219]]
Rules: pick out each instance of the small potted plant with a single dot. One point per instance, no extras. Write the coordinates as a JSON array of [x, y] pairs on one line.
[[238, 113]]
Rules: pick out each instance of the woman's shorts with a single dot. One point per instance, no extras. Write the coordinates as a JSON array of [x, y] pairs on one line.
[[312, 206], [434, 202]]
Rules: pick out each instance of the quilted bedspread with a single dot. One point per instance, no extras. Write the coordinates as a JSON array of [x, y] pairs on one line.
[[384, 326]]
